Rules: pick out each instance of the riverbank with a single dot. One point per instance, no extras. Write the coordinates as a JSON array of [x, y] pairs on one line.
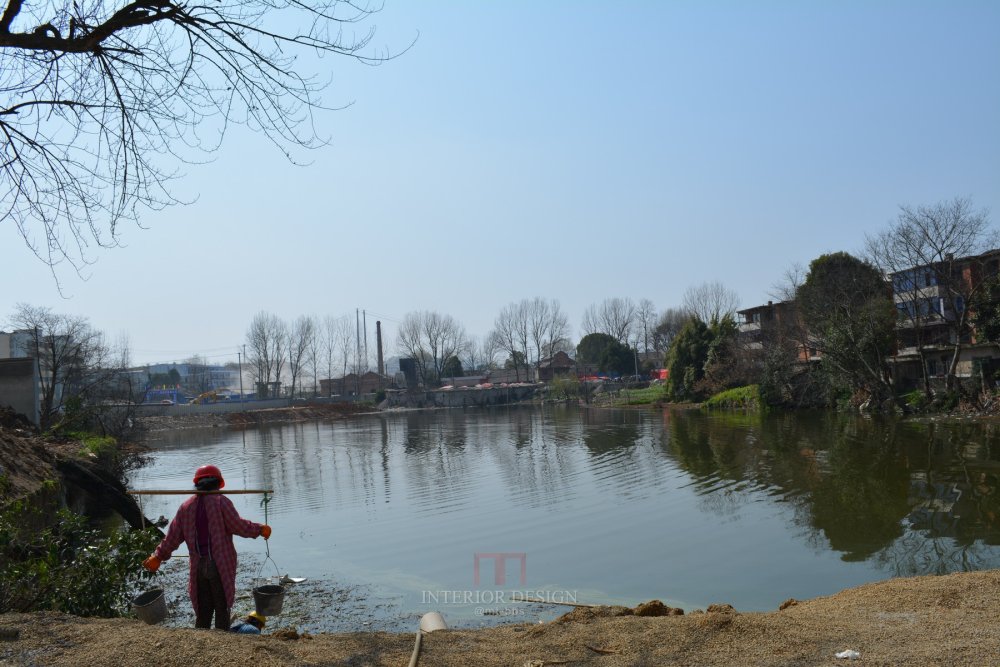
[[944, 620], [253, 418]]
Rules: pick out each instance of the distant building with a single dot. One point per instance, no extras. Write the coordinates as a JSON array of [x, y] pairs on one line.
[[353, 384], [197, 378], [558, 365], [510, 375], [773, 322], [464, 381], [16, 344]]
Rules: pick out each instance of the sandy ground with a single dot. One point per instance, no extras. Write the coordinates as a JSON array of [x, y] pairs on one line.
[[947, 620]]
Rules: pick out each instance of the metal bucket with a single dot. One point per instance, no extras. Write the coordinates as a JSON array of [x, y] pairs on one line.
[[268, 599], [151, 606]]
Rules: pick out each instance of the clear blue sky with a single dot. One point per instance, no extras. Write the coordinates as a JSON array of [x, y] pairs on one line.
[[569, 150]]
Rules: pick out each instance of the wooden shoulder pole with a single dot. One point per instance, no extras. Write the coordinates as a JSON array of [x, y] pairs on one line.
[[189, 492]]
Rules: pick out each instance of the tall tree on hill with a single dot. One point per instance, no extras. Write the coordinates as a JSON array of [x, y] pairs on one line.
[[846, 308]]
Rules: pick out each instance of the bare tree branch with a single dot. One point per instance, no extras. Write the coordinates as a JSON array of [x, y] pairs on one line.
[[101, 102]]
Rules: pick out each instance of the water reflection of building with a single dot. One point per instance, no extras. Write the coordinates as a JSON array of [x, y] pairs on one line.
[[955, 503]]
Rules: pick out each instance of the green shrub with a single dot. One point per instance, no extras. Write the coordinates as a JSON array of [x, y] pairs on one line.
[[68, 566], [946, 401], [916, 400], [564, 388], [657, 393], [104, 448], [740, 398]]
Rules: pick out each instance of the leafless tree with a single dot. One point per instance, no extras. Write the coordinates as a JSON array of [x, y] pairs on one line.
[[72, 358], [116, 391], [786, 288], [479, 354], [547, 325], [510, 335], [930, 254], [645, 323], [669, 324], [267, 340], [710, 301], [430, 338], [300, 341], [105, 99], [315, 352], [337, 345], [615, 317]]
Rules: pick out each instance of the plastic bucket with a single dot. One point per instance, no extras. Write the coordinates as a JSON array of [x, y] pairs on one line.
[[151, 606], [431, 621], [268, 599]]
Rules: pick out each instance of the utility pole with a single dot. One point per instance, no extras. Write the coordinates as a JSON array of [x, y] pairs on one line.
[[378, 343], [364, 322], [357, 355], [239, 360]]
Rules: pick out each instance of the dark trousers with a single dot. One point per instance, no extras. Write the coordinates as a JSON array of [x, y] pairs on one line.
[[211, 596]]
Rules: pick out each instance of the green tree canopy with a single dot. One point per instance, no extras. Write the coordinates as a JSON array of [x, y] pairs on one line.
[[452, 368], [985, 307], [686, 358], [606, 353], [847, 308]]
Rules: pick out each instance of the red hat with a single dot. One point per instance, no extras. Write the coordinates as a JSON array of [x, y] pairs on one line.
[[209, 471]]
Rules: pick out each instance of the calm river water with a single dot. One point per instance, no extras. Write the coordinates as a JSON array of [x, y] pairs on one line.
[[602, 506]]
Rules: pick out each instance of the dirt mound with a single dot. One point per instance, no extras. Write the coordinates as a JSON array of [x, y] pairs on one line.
[[15, 420], [27, 462], [924, 621]]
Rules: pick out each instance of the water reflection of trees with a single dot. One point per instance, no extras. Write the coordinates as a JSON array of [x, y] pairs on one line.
[[914, 498], [532, 457]]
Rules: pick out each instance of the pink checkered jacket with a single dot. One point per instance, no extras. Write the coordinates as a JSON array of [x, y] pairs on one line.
[[223, 522]]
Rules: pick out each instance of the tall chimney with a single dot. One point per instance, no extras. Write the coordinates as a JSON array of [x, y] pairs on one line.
[[378, 343]]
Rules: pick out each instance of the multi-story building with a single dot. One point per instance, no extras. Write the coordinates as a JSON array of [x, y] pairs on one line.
[[773, 323], [16, 344], [932, 302]]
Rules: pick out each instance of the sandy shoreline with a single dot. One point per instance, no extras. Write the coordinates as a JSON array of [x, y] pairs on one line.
[[946, 620]]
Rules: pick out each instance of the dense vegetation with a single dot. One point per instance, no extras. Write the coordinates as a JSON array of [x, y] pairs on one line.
[[67, 565]]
